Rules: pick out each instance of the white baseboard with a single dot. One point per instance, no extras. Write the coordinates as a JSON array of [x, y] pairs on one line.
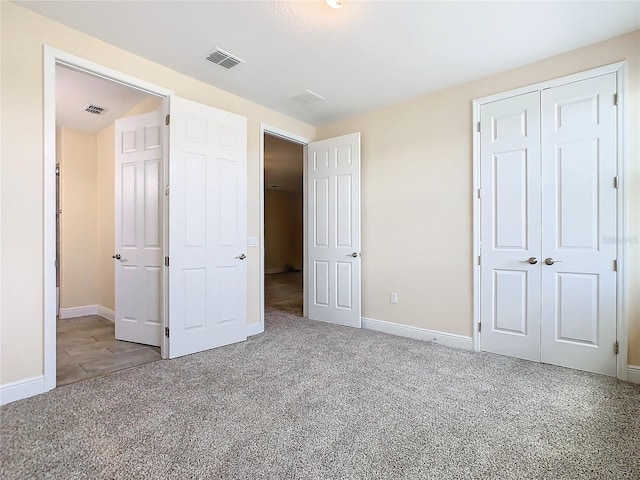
[[417, 333], [104, 312], [85, 310], [633, 373], [255, 328], [10, 392]]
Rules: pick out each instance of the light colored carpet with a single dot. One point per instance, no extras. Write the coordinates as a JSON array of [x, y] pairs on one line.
[[307, 400]]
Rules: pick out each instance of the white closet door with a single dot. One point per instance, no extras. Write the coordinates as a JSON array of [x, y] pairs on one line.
[[510, 227], [579, 225]]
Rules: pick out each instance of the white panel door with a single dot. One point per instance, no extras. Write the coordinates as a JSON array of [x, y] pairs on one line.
[[579, 225], [139, 228], [207, 228], [333, 230], [510, 226]]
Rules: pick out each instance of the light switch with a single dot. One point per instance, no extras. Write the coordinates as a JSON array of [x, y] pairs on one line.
[[252, 241]]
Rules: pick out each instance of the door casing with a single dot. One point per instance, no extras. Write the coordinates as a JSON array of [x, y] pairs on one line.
[[53, 57], [620, 68], [258, 327]]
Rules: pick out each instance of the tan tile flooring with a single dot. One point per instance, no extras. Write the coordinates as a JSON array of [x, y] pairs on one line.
[[87, 348]]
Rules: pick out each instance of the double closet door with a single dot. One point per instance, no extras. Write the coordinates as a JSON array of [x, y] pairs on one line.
[[548, 225]]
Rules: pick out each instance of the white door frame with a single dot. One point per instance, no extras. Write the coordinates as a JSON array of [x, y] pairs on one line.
[[622, 227], [53, 57], [258, 327]]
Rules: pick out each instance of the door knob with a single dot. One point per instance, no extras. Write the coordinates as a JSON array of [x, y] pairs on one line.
[[551, 261], [242, 256], [354, 255], [531, 260], [117, 256]]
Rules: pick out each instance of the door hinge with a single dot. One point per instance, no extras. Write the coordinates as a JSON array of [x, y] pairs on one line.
[[166, 331], [615, 99], [615, 182], [167, 119], [479, 326], [478, 126], [615, 265], [166, 261], [166, 190], [616, 347], [479, 193], [479, 260]]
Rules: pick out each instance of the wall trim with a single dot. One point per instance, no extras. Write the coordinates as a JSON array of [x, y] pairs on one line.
[[269, 271], [74, 312], [633, 373], [255, 328], [441, 338], [291, 137], [51, 58], [11, 392], [107, 313]]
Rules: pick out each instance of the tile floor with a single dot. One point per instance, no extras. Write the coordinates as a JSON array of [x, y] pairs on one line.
[[87, 348]]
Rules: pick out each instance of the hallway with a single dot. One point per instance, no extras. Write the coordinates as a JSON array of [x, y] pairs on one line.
[[283, 292]]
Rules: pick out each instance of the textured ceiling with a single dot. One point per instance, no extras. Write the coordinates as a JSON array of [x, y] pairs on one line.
[[362, 56]]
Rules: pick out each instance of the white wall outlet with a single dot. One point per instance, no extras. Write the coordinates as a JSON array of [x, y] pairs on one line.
[[394, 297]]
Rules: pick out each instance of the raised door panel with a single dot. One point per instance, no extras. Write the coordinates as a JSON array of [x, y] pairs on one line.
[[510, 226], [579, 221], [139, 228], [334, 230], [207, 234]]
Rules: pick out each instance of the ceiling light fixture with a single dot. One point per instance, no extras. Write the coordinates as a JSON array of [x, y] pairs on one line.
[[335, 3]]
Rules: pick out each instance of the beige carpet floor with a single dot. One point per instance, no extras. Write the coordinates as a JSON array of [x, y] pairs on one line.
[[308, 400]]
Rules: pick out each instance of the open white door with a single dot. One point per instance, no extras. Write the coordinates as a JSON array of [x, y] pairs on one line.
[[207, 228], [138, 228], [333, 230]]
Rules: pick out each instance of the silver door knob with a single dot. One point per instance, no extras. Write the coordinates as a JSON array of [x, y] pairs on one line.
[[531, 260], [354, 255], [117, 256], [242, 256], [551, 261]]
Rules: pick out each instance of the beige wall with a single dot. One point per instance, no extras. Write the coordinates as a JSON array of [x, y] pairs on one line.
[[417, 194], [78, 201], [416, 183], [282, 230], [23, 35]]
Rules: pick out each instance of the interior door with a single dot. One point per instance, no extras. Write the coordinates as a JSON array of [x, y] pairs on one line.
[[510, 226], [548, 225], [579, 225], [139, 228], [333, 230], [207, 228]]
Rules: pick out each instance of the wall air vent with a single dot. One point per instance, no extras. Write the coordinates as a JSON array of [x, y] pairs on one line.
[[95, 109], [224, 59], [307, 97]]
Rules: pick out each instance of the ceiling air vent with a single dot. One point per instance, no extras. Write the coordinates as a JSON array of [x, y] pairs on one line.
[[307, 97], [224, 59], [95, 109]]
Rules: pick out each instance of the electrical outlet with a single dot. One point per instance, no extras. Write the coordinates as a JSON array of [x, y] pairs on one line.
[[394, 297]]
